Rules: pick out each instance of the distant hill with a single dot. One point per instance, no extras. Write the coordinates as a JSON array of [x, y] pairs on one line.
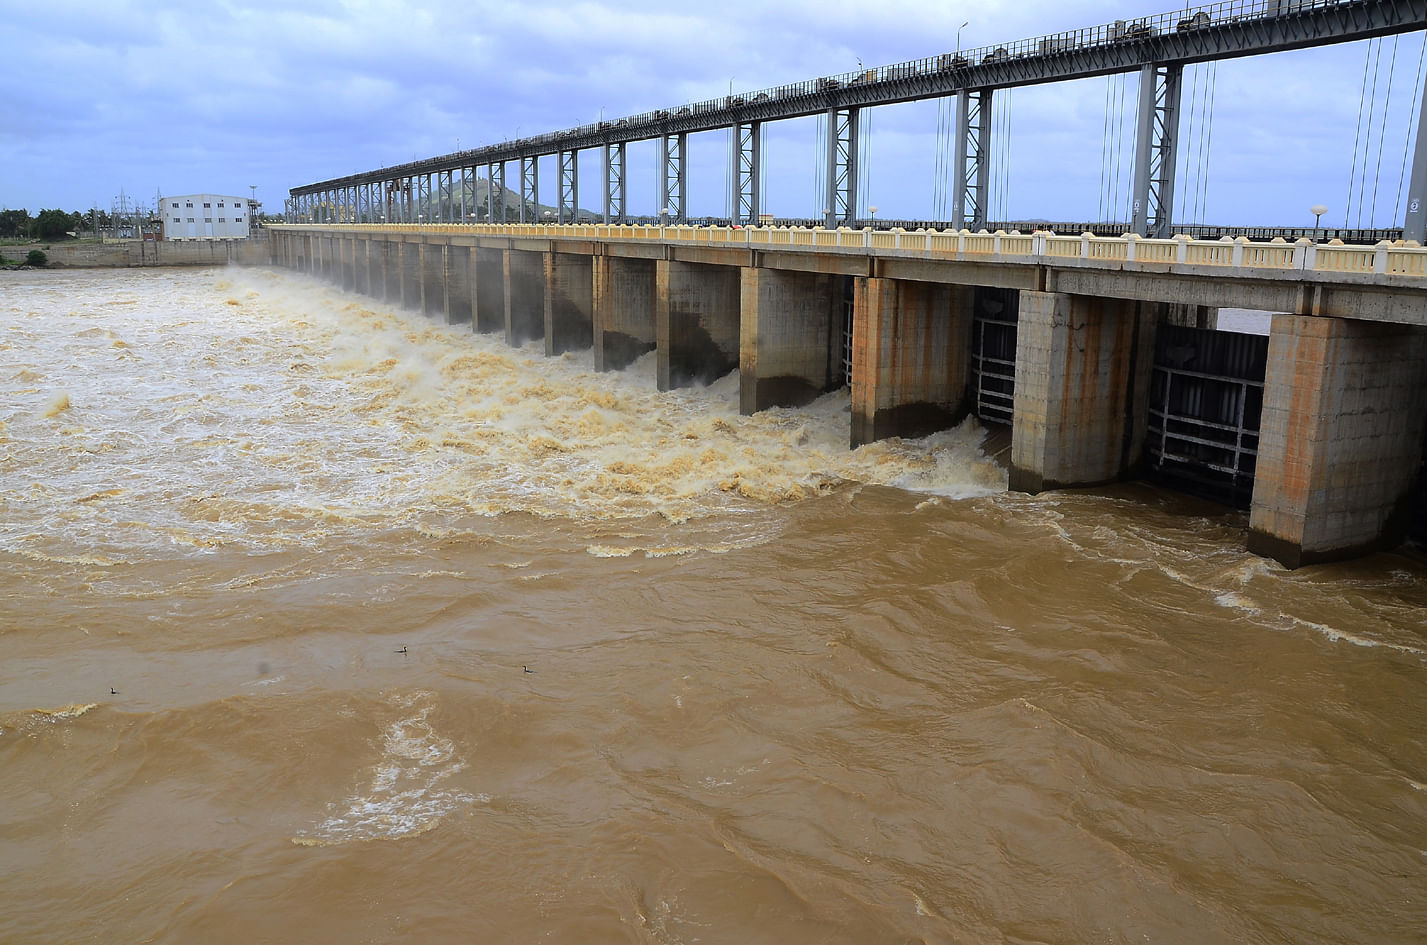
[[477, 193]]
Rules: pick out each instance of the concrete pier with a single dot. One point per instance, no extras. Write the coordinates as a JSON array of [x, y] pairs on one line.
[[524, 275], [459, 263], [569, 303], [697, 322], [1082, 375], [790, 349], [910, 357], [625, 303], [1341, 441]]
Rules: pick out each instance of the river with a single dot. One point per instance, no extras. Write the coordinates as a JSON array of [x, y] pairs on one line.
[[325, 622]]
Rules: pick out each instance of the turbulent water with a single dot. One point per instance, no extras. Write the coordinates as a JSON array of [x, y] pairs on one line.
[[322, 622]]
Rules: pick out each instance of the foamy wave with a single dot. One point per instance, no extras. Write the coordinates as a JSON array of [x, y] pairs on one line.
[[403, 796], [301, 414], [31, 719], [63, 713], [1346, 636]]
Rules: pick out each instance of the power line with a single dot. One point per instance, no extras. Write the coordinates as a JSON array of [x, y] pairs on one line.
[[1382, 132], [1363, 100]]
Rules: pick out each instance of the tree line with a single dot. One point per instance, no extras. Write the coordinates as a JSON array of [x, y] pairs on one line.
[[47, 224]]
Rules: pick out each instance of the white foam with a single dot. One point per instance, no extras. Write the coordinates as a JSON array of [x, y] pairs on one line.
[[402, 796], [252, 409]]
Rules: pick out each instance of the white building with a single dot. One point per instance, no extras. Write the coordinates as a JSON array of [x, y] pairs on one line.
[[206, 217]]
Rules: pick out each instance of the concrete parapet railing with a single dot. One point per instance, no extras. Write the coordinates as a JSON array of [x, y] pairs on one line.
[[1396, 259]]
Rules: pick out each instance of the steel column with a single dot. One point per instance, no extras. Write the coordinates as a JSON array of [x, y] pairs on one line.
[[841, 198], [614, 203], [569, 186], [498, 189], [971, 183], [748, 164], [673, 177], [1414, 224], [1156, 141], [529, 187]]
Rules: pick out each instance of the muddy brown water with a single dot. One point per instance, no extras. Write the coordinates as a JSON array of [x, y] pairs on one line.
[[414, 637]]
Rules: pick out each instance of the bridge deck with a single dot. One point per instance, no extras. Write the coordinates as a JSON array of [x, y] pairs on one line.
[[1376, 283]]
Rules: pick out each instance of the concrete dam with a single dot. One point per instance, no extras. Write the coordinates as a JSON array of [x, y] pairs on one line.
[[1098, 353]]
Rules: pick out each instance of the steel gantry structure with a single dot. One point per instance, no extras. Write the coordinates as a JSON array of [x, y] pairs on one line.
[[1157, 48]]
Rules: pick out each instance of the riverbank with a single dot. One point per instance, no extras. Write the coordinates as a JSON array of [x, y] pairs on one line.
[[137, 253]]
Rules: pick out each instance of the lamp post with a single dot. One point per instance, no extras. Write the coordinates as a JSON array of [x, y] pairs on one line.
[[873, 210], [1317, 210], [958, 35]]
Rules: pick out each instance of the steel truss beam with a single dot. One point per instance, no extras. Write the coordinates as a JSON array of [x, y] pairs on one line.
[[569, 187], [841, 205], [748, 165], [1156, 142], [673, 177], [971, 186], [614, 202], [1228, 30]]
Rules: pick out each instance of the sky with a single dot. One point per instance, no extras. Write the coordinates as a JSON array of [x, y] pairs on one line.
[[220, 96]]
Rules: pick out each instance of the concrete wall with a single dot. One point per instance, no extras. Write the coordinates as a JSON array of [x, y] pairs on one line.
[[524, 296], [911, 345], [252, 252], [409, 274], [459, 284], [391, 271], [569, 303], [489, 296], [625, 303], [791, 337], [697, 322], [1341, 439], [433, 278], [1082, 372]]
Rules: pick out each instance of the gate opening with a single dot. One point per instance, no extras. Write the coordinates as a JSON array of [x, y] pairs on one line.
[[1206, 401], [993, 354]]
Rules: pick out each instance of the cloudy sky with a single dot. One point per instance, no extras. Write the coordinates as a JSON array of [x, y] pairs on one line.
[[185, 96]]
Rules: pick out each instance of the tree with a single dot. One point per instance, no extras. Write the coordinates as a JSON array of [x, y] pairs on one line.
[[14, 223], [36, 257], [51, 224]]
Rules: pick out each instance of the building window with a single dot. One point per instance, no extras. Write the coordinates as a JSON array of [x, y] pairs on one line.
[[207, 219], [176, 220], [222, 220], [175, 205], [220, 203], [190, 219], [190, 206], [237, 219]]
